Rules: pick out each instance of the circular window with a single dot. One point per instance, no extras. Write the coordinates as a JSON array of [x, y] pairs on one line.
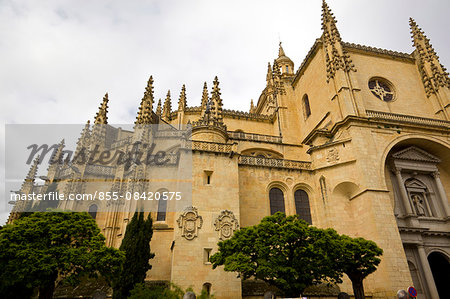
[[382, 89]]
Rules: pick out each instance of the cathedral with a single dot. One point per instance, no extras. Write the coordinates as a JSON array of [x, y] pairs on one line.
[[356, 138]]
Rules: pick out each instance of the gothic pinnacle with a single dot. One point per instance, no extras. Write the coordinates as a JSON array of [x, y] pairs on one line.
[[434, 75], [57, 155], [204, 95], [167, 108], [101, 117], [216, 101], [421, 41], [330, 32], [158, 108], [33, 169], [31, 176], [269, 72], [146, 107], [182, 100]]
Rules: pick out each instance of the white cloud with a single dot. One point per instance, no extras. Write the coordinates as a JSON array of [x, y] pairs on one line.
[[60, 57]]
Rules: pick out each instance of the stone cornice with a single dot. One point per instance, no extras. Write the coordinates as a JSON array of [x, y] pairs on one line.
[[349, 46], [390, 53], [382, 117], [248, 116], [313, 148]]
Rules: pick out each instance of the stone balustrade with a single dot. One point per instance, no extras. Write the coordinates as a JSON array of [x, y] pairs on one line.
[[254, 137], [211, 146], [407, 119], [274, 163]]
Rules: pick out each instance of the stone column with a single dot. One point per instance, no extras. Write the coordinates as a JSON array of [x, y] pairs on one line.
[[404, 194], [427, 272], [441, 193]]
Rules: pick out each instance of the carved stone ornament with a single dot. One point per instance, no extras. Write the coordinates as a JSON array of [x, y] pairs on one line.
[[226, 224], [190, 222], [333, 155]]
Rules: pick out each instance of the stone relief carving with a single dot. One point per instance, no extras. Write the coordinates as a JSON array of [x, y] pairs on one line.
[[190, 222], [333, 155], [226, 224], [418, 204]]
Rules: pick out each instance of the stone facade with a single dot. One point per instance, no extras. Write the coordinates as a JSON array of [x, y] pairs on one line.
[[371, 166]]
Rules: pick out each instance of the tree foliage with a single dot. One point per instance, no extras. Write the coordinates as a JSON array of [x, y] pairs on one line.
[[136, 246], [288, 253], [46, 248], [358, 258]]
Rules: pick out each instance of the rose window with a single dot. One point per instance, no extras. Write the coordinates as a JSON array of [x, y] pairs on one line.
[[382, 89]]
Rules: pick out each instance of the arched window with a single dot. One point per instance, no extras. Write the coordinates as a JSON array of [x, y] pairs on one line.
[[93, 211], [162, 208], [306, 107], [276, 198], [302, 205]]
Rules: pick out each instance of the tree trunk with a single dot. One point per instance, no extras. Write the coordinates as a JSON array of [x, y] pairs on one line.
[[358, 288], [47, 289]]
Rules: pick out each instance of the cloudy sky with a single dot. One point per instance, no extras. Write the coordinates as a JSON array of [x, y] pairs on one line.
[[60, 57]]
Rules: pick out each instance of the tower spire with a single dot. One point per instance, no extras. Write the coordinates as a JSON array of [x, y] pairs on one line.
[[146, 107], [101, 117], [434, 74], [182, 100], [335, 56]]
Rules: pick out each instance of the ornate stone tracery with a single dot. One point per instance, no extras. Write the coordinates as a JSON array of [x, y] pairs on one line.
[[190, 222], [226, 224]]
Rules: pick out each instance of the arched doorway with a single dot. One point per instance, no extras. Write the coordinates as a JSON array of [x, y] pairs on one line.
[[417, 177], [440, 267]]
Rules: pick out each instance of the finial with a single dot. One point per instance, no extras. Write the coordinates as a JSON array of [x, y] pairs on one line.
[[101, 116], [281, 51]]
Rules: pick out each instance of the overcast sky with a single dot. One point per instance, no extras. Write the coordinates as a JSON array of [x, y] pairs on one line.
[[60, 57]]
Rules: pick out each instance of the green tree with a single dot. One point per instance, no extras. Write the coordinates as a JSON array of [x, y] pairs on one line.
[[358, 258], [47, 248], [282, 251], [288, 253], [136, 245]]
